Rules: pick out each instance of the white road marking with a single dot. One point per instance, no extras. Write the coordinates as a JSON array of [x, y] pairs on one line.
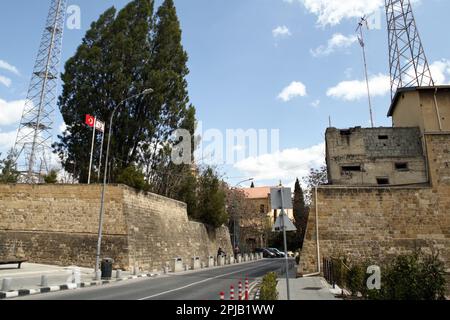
[[203, 281]]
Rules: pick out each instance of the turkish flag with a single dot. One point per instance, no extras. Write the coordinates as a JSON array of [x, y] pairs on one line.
[[90, 120]]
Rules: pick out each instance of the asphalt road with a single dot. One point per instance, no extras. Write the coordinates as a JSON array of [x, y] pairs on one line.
[[204, 285]]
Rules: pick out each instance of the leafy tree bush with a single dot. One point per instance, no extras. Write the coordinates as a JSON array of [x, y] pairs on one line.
[[132, 177], [414, 277], [8, 172], [269, 287], [356, 277], [211, 199], [51, 177]]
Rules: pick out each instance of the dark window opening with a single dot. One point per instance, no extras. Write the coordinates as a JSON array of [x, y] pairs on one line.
[[401, 166], [346, 132], [262, 209], [383, 181], [351, 168], [384, 137]]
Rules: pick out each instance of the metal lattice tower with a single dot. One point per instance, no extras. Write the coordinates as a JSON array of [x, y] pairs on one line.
[[407, 61], [33, 143]]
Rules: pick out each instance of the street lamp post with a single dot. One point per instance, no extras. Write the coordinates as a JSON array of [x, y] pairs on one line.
[[102, 204], [234, 216]]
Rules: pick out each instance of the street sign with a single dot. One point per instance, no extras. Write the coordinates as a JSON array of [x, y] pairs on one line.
[[281, 201], [283, 220]]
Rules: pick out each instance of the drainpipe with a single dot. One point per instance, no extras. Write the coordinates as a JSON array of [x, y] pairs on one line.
[[437, 109], [317, 239]]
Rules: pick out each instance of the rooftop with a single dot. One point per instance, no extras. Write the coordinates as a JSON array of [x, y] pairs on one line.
[[400, 91], [257, 193]]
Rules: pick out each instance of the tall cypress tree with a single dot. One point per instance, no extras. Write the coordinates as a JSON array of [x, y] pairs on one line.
[[122, 55], [300, 213], [168, 73]]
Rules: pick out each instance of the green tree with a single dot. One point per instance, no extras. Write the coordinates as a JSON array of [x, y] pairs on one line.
[[9, 174], [300, 213], [211, 199], [315, 178], [51, 177], [132, 177]]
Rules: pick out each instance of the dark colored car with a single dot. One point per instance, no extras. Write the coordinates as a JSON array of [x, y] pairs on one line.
[[276, 252], [266, 253]]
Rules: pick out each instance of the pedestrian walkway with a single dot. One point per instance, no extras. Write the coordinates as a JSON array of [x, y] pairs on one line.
[[315, 288], [29, 276]]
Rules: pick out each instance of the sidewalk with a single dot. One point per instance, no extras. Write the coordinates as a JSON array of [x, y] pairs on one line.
[[315, 288], [29, 276]]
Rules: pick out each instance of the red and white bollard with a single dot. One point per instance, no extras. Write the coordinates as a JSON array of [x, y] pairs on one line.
[[232, 293], [246, 289], [222, 295], [240, 290]]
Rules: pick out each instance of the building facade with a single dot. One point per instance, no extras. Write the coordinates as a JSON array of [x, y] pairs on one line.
[[389, 190]]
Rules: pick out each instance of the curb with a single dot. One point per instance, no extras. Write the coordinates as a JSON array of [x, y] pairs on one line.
[[69, 286]]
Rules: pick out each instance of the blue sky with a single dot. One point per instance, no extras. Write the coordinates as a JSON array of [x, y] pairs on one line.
[[242, 55]]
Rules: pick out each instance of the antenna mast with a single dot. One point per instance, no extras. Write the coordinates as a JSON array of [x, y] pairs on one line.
[[363, 46], [408, 63], [33, 142]]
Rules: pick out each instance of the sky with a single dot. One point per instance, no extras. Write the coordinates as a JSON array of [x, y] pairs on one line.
[[258, 65]]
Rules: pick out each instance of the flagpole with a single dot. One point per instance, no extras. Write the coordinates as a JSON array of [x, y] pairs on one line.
[[92, 150], [101, 153]]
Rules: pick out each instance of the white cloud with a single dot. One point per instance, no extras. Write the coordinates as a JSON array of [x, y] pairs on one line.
[[286, 164], [7, 140], [315, 103], [440, 71], [332, 12], [357, 89], [5, 81], [6, 66], [295, 89], [281, 31], [10, 112], [337, 41], [62, 127]]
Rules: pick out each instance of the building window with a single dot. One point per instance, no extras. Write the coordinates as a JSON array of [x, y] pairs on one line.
[[353, 168], [383, 181], [383, 137], [262, 208], [401, 166]]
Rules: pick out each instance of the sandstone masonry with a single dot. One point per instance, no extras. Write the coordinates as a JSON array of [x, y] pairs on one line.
[[58, 224]]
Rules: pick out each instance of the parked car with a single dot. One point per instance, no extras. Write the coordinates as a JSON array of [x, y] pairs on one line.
[[277, 252], [266, 253]]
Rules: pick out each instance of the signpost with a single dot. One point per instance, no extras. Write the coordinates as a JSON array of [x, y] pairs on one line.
[[281, 199]]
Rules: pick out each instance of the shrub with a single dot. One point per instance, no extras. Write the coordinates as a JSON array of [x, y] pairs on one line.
[[52, 177], [269, 287], [355, 279], [132, 177], [414, 277]]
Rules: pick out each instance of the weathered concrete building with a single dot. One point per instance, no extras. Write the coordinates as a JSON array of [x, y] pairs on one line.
[[58, 224], [378, 156], [389, 189]]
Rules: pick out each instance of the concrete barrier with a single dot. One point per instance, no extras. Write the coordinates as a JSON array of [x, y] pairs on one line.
[[230, 260], [6, 284], [221, 261], [211, 262], [177, 265], [246, 257], [118, 274], [195, 263], [239, 258]]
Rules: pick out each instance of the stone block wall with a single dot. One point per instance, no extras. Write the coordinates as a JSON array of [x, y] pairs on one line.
[[58, 224]]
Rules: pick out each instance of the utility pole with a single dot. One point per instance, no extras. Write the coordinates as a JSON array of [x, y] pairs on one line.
[[33, 142], [363, 46], [408, 64]]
